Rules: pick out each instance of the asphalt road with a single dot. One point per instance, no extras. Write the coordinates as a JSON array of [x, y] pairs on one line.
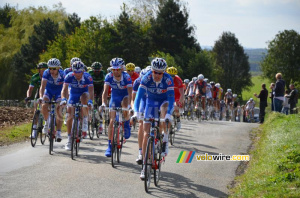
[[32, 172]]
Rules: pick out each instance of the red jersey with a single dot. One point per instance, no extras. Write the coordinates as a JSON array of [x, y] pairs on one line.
[[177, 84], [215, 91], [134, 77]]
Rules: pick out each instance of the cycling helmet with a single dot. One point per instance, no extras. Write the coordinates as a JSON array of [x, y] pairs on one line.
[[42, 65], [137, 69], [194, 79], [228, 90], [130, 67], [78, 67], [218, 85], [234, 95], [117, 63], [205, 79], [172, 71], [200, 77], [212, 83], [159, 64], [186, 81], [144, 71], [53, 62], [148, 67], [73, 60], [251, 99], [109, 69], [96, 66]]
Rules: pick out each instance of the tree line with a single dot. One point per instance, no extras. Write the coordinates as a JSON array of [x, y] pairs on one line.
[[33, 35]]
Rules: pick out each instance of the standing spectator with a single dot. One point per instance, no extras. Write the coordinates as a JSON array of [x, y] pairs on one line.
[[279, 92], [263, 96], [272, 86], [292, 98], [285, 104]]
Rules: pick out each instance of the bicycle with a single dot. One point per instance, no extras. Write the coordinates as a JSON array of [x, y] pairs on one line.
[[76, 129], [173, 130], [51, 133], [190, 110], [93, 123], [249, 116], [153, 159], [37, 125], [105, 120], [117, 136]]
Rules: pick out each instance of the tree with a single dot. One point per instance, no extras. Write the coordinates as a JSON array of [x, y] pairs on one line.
[[5, 15], [72, 23], [170, 31], [233, 62], [283, 56]]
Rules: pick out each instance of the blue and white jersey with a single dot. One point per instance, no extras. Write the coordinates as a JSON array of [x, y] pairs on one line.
[[136, 85], [156, 91], [54, 84], [67, 71], [79, 86], [118, 87]]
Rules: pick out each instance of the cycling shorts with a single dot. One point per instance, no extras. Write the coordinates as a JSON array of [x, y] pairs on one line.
[[152, 108], [116, 100], [74, 97], [49, 93]]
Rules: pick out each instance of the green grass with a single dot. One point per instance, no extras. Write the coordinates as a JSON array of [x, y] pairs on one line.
[[257, 81], [18, 133], [274, 167]]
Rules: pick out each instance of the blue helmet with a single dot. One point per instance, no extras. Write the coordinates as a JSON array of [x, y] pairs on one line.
[[144, 71], [117, 63], [53, 62], [78, 67], [159, 64]]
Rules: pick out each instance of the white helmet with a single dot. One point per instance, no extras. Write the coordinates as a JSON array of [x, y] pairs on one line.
[[205, 79], [186, 81], [159, 64], [53, 62], [234, 95], [73, 60], [144, 71], [251, 99], [200, 77], [218, 85], [228, 90], [148, 67], [194, 79], [137, 69]]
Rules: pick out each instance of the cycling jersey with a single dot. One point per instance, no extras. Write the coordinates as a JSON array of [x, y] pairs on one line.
[[200, 85], [208, 90], [134, 77], [135, 88], [54, 85], [35, 80], [98, 78], [215, 92], [67, 71], [228, 95], [191, 87], [78, 87], [220, 93], [119, 88], [158, 93], [177, 85], [250, 105]]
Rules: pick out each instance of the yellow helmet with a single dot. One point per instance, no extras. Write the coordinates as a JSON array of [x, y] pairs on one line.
[[130, 67], [172, 71]]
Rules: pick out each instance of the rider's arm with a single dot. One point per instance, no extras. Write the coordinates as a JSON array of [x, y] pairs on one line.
[[29, 91], [129, 89], [140, 93], [64, 91], [181, 95], [171, 100], [187, 90], [105, 94], [91, 92], [43, 86]]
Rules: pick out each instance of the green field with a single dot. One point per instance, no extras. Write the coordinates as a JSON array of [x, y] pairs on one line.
[[274, 167], [257, 81]]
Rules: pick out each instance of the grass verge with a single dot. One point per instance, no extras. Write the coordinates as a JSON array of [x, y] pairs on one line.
[[18, 133], [274, 168]]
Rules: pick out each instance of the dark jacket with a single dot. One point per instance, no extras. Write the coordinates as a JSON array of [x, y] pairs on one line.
[[292, 97], [263, 95], [279, 88]]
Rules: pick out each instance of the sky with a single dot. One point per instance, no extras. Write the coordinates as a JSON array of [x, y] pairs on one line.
[[254, 22]]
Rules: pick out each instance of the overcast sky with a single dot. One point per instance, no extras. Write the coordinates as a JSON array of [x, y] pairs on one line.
[[254, 22]]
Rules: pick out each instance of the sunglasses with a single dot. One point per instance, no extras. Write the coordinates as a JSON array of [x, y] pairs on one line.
[[158, 73], [77, 72], [116, 69], [129, 70], [53, 68]]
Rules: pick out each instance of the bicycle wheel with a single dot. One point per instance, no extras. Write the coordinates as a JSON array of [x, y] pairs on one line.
[[114, 145], [51, 134], [74, 133], [78, 137], [34, 122], [40, 130], [120, 143], [91, 127], [158, 159], [148, 164]]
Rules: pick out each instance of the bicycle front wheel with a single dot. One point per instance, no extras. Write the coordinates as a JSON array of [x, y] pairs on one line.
[[40, 129], [91, 127], [51, 134], [120, 143], [148, 164], [74, 132], [158, 161], [114, 146], [34, 122]]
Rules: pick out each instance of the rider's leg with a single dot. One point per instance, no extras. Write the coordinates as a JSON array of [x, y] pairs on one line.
[[127, 130]]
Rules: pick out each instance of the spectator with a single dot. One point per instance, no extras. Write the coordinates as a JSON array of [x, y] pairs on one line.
[[278, 92], [272, 86], [293, 99], [285, 104], [263, 96]]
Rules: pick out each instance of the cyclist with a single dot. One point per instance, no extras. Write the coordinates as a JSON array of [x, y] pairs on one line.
[[130, 67], [200, 90], [51, 85], [250, 107], [208, 92], [136, 85], [35, 82], [219, 94], [235, 106], [215, 93], [190, 90], [185, 85], [121, 85], [137, 69], [160, 96], [98, 76], [81, 88], [179, 93], [228, 98]]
